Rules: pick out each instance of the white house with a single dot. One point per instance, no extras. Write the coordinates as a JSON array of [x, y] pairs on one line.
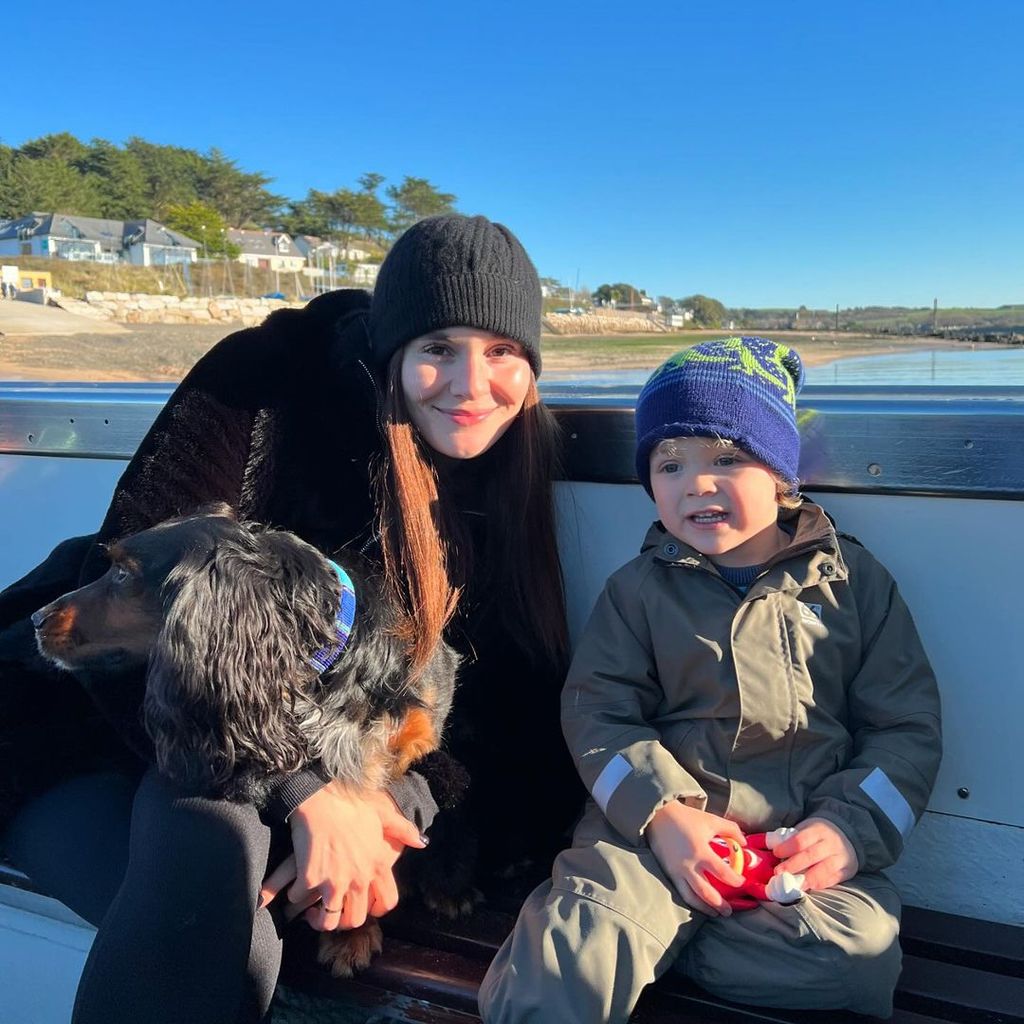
[[70, 237], [149, 244], [64, 235], [353, 252], [317, 251], [269, 250]]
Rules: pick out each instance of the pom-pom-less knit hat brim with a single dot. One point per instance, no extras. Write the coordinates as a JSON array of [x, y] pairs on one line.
[[456, 271], [739, 389]]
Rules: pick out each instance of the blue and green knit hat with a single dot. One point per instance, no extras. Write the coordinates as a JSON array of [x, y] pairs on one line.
[[740, 389]]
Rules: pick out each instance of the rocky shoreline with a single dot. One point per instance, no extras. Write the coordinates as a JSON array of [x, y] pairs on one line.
[[142, 308], [983, 337]]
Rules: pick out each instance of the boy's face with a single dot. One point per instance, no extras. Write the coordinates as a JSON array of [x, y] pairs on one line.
[[718, 499]]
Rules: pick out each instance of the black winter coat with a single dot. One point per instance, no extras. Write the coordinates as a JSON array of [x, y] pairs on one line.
[[280, 421]]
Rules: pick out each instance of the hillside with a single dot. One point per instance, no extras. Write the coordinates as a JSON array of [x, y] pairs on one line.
[[881, 319]]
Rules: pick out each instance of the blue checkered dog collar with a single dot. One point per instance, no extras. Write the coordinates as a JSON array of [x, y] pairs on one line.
[[327, 656]]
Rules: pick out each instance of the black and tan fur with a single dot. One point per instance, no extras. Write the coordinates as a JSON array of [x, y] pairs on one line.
[[227, 615]]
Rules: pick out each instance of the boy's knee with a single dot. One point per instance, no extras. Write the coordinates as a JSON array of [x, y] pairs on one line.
[[837, 949], [870, 978], [571, 957]]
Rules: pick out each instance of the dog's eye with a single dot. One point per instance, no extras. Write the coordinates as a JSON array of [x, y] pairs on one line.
[[119, 574]]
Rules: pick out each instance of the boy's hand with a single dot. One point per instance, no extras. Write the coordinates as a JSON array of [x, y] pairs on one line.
[[820, 852], [679, 837]]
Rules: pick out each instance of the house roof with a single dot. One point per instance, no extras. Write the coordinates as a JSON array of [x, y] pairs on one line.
[[111, 234], [151, 233], [262, 243], [306, 244], [30, 223]]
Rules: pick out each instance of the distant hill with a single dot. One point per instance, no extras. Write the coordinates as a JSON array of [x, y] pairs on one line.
[[881, 319]]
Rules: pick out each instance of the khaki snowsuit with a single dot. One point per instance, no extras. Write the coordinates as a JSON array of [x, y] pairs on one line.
[[810, 695]]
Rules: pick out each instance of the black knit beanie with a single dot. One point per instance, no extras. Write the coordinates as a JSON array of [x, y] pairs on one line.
[[456, 271]]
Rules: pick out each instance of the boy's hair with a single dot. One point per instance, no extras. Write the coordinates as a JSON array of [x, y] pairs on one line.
[[742, 389], [787, 494]]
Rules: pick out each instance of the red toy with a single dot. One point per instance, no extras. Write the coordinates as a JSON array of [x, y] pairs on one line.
[[756, 863]]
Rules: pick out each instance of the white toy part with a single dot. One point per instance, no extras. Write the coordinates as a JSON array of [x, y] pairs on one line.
[[779, 835], [785, 888]]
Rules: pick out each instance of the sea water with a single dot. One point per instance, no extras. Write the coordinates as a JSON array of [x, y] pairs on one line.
[[940, 366]]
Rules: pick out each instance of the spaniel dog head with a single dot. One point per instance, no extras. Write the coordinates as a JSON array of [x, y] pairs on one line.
[[228, 616]]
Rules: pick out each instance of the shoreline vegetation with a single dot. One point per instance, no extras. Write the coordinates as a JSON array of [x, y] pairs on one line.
[[816, 348], [165, 352]]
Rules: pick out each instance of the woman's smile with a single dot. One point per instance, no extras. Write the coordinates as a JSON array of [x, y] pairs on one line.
[[466, 417]]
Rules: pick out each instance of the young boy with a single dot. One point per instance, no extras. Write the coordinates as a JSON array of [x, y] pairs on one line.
[[751, 669]]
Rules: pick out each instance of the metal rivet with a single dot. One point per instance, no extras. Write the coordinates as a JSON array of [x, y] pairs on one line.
[[963, 792], [827, 569], [574, 436], [31, 438], [968, 444], [671, 550], [875, 469]]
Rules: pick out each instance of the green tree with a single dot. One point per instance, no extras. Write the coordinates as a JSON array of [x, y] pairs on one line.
[[330, 214], [60, 146], [305, 217], [46, 184], [340, 214], [706, 312], [370, 182], [203, 224], [341, 208], [369, 215], [415, 199], [621, 293], [172, 173], [372, 214], [117, 178], [239, 196]]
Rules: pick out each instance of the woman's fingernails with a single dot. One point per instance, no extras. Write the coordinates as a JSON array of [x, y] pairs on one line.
[[424, 839]]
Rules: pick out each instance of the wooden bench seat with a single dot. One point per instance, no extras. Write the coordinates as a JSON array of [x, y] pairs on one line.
[[955, 969]]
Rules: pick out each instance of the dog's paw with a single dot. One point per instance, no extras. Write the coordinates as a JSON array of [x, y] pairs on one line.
[[448, 779], [344, 953], [453, 905]]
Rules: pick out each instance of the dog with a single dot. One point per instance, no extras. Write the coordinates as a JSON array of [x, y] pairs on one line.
[[261, 657]]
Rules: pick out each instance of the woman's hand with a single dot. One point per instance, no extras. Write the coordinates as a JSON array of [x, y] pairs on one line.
[[346, 842], [820, 852], [680, 837]]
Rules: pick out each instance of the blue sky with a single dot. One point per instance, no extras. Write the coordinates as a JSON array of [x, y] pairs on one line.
[[761, 153]]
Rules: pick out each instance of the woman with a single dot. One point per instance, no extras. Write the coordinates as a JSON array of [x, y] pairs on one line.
[[408, 427]]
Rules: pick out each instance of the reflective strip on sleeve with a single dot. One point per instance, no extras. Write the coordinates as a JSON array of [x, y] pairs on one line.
[[608, 781], [889, 799]]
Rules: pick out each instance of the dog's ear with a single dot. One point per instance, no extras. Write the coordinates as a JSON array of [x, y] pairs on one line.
[[230, 664]]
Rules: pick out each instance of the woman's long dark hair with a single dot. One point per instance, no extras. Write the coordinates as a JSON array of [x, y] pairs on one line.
[[418, 526]]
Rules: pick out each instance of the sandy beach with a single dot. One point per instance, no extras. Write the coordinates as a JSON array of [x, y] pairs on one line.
[[165, 352], [637, 352]]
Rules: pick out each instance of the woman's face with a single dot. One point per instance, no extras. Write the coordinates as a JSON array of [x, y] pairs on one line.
[[463, 388]]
